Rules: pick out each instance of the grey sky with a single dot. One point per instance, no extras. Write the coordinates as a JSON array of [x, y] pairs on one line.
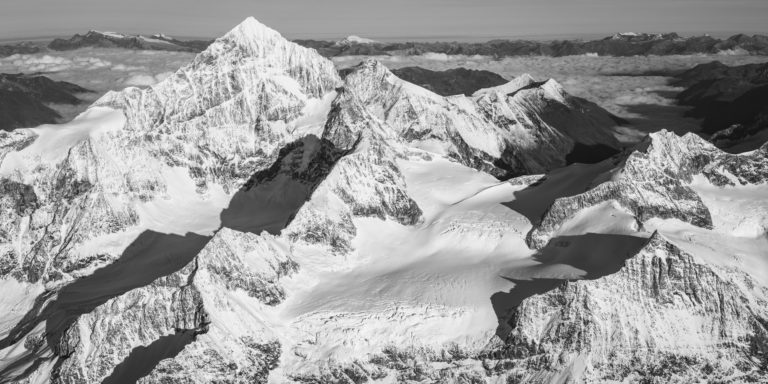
[[385, 18]]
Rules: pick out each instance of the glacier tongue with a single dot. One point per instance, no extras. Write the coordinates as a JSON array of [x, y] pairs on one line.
[[255, 218]]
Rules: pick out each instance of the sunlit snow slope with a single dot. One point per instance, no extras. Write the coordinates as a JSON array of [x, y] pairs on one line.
[[257, 218]]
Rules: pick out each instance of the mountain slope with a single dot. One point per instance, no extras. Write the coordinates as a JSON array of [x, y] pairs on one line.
[[255, 218], [23, 100], [100, 39], [731, 102], [521, 127]]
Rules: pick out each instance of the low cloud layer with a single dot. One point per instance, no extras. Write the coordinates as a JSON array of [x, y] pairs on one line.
[[619, 84], [100, 70], [145, 79], [48, 63]]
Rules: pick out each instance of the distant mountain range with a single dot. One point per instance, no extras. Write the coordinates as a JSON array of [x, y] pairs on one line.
[[732, 101], [158, 42], [19, 48], [257, 217], [620, 44], [25, 99]]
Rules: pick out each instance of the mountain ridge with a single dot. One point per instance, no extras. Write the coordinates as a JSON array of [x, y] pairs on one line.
[[255, 217], [616, 45]]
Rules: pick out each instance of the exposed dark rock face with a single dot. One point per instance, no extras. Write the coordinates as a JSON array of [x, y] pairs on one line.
[[755, 73], [521, 127], [654, 181], [114, 40], [589, 154], [19, 48], [660, 277], [452, 81], [617, 45], [197, 237], [732, 101], [23, 99]]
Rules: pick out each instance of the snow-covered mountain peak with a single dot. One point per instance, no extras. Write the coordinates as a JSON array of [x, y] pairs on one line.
[[251, 31], [512, 86], [371, 66], [273, 223], [163, 36], [688, 142], [108, 34], [354, 39], [554, 90], [368, 78], [678, 155]]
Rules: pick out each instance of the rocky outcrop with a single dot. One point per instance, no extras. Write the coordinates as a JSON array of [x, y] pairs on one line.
[[662, 314], [675, 320], [25, 100], [654, 181]]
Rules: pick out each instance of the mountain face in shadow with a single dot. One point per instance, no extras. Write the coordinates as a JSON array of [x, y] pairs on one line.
[[731, 101], [267, 202], [591, 256], [23, 48], [454, 81], [24, 99], [256, 218]]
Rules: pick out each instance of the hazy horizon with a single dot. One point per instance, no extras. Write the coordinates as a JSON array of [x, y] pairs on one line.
[[393, 20], [435, 38]]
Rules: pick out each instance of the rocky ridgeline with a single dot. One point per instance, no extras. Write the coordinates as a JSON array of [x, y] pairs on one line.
[[158, 42], [653, 181], [677, 320], [621, 44], [23, 48], [518, 128], [617, 45]]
